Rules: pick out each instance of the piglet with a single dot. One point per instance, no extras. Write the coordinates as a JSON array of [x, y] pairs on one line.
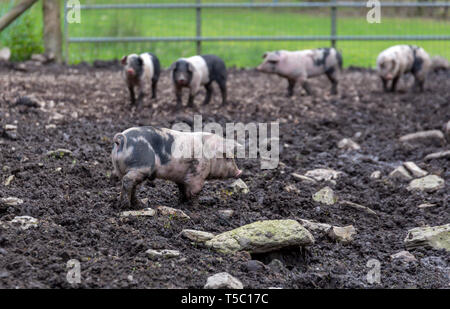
[[188, 159], [139, 70], [397, 60], [197, 71], [298, 66]]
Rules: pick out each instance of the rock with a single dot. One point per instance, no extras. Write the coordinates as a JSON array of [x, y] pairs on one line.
[[10, 127], [375, 175], [400, 173], [226, 213], [426, 205], [348, 144], [50, 126], [414, 169], [11, 201], [8, 180], [254, 265], [276, 265], [197, 236], [302, 178], [428, 183], [437, 237], [24, 222], [438, 155], [262, 236], [342, 234], [291, 188], [166, 254], [5, 54], [315, 226], [168, 211], [325, 196], [446, 129], [239, 186], [147, 212], [359, 207], [405, 256], [61, 152], [223, 281], [424, 136], [323, 174]]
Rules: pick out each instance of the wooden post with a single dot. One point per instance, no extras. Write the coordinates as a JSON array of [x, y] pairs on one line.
[[52, 29], [15, 12]]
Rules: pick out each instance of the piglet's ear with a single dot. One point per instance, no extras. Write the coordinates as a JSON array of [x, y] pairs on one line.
[[173, 66], [140, 61], [124, 60], [264, 56], [191, 67]]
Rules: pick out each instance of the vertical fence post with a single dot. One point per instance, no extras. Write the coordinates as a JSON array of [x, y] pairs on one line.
[[199, 28], [333, 23], [52, 28], [66, 34]]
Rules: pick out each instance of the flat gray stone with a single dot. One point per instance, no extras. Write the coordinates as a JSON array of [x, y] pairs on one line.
[[325, 196], [155, 254], [147, 212], [197, 236], [437, 237], [428, 183], [321, 174], [223, 281]]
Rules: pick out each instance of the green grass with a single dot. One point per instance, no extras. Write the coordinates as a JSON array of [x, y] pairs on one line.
[[242, 22]]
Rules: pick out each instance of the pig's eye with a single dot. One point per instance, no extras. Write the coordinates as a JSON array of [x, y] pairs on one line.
[[273, 61]]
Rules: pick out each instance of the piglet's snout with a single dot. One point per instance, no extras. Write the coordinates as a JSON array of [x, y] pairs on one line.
[[238, 173], [130, 72]]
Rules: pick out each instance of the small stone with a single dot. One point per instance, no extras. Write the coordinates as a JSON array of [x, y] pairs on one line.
[[166, 254], [12, 201], [10, 127], [400, 173], [414, 169], [405, 256], [314, 226], [197, 236], [276, 265], [375, 175], [226, 213], [431, 135], [426, 205], [342, 234], [428, 183], [24, 222], [302, 178], [50, 126], [348, 144], [61, 152], [223, 281], [291, 188], [437, 237], [326, 196], [359, 207], [169, 211], [147, 212], [239, 186], [254, 265], [8, 180], [323, 174], [438, 155], [5, 54]]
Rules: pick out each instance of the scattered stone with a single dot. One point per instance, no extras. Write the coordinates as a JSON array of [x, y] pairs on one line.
[[5, 54], [375, 175], [197, 236], [400, 173], [262, 236], [342, 234], [10, 127], [359, 207], [276, 265], [291, 188], [428, 183], [166, 254], [24, 222], [147, 212], [8, 180], [254, 265], [59, 153], [431, 135], [223, 281], [323, 174], [226, 213], [28, 101], [405, 256], [169, 211], [11, 201], [315, 226], [438, 155], [239, 186], [437, 237], [414, 169], [302, 178], [348, 144], [325, 196], [426, 205], [447, 130], [50, 126]]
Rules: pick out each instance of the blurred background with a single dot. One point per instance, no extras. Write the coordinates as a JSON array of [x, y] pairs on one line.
[[24, 35]]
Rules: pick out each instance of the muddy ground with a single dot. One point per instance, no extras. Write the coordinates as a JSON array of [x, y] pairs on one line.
[[75, 197]]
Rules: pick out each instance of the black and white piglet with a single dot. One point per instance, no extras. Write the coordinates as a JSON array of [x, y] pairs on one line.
[[197, 71], [140, 70], [186, 158]]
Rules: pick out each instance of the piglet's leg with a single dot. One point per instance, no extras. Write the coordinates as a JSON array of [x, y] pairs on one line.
[[129, 184], [178, 95], [132, 98], [154, 86], [194, 186], [384, 81], [222, 82], [331, 74], [290, 89], [140, 96], [209, 91], [306, 86], [394, 83]]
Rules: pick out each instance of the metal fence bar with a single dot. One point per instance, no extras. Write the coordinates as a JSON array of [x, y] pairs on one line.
[[333, 22], [198, 19], [264, 38]]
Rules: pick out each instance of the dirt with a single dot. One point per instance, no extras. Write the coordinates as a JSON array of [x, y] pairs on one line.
[[75, 197]]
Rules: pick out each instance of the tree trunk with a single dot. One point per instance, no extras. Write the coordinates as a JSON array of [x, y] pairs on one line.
[[15, 12], [52, 29]]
